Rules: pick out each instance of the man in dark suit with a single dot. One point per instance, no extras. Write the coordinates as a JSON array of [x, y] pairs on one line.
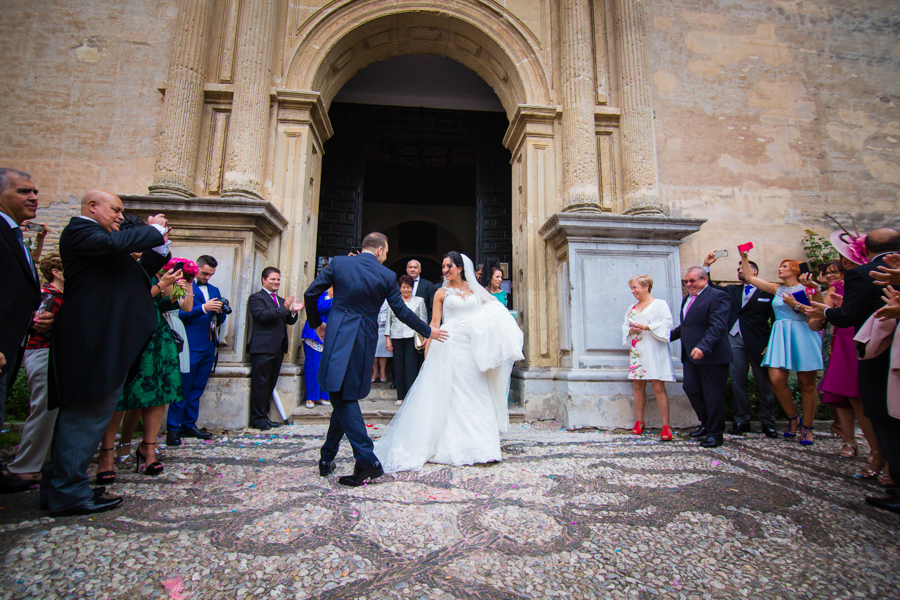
[[422, 288], [200, 324], [749, 326], [862, 297], [361, 285], [705, 353], [99, 334], [271, 314], [18, 203]]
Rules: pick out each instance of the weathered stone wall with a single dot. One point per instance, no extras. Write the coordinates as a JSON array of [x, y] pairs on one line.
[[80, 102], [770, 113]]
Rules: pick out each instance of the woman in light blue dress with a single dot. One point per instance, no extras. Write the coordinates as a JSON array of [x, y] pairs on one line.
[[793, 346]]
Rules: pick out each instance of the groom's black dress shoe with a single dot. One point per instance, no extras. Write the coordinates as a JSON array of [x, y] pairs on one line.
[[273, 424], [261, 425], [362, 474], [700, 432], [740, 429], [326, 468], [196, 433], [89, 507], [891, 503], [712, 441]]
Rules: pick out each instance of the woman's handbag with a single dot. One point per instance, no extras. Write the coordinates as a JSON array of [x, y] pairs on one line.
[[419, 341], [179, 341]]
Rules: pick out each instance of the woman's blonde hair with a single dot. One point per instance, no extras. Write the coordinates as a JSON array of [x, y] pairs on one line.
[[642, 280]]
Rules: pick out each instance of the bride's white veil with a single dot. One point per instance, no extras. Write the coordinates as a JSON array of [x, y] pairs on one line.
[[469, 269]]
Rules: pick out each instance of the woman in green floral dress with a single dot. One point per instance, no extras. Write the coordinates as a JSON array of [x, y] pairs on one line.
[[157, 383]]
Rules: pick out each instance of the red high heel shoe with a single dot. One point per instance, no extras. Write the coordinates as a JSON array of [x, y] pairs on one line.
[[666, 435], [638, 428]]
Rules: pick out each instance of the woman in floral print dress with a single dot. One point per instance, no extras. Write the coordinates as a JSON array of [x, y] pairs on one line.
[[646, 330]]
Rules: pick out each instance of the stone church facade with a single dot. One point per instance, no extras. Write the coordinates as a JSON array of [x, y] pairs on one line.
[[639, 135]]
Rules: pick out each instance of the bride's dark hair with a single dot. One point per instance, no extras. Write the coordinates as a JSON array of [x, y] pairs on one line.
[[456, 258]]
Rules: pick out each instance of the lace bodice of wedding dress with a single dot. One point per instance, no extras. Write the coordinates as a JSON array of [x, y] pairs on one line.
[[458, 306]]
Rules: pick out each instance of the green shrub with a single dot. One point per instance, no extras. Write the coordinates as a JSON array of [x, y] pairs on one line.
[[17, 403]]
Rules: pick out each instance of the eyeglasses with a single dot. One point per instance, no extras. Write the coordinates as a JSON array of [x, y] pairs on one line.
[[693, 280]]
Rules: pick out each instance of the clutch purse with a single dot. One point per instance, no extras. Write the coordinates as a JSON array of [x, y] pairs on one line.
[[419, 341]]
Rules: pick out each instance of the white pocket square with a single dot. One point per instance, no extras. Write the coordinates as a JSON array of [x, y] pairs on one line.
[[763, 299]]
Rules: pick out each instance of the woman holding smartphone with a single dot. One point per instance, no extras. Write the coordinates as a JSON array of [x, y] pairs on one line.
[[793, 346]]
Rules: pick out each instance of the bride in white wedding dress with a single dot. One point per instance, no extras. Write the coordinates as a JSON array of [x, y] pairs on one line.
[[457, 407]]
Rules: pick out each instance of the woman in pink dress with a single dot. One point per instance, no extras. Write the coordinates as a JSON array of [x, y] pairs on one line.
[[840, 387]]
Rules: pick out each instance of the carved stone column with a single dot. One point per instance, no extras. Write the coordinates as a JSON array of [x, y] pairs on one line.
[[176, 156], [245, 156], [579, 145], [638, 139]]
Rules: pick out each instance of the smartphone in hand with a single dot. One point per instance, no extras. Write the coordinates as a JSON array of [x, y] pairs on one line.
[[720, 253], [804, 268], [745, 247]]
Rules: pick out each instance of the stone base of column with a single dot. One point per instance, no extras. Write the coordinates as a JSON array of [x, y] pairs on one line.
[[580, 398], [241, 192]]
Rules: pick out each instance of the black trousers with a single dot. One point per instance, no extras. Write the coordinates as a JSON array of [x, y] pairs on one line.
[[705, 388], [873, 380], [264, 369], [406, 364], [346, 418]]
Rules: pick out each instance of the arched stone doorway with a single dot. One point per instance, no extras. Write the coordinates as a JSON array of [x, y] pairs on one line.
[[335, 45]]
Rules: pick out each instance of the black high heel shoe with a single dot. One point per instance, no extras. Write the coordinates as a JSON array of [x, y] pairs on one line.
[[154, 468], [106, 477]]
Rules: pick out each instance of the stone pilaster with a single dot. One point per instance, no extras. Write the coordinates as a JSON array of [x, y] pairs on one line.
[[245, 157], [638, 142], [579, 145], [176, 156]]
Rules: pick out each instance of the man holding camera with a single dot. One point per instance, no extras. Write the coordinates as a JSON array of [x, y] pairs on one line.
[[201, 324]]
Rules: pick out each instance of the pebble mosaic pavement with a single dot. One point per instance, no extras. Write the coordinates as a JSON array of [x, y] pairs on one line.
[[565, 514]]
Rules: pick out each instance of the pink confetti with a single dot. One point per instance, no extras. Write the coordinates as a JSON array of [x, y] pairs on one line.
[[715, 463], [175, 588]]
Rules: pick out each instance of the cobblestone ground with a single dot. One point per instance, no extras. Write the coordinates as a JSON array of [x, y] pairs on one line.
[[576, 514]]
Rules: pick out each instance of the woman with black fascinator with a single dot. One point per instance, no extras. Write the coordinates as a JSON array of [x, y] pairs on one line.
[[457, 407]]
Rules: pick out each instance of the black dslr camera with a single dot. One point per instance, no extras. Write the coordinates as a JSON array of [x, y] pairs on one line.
[[226, 306]]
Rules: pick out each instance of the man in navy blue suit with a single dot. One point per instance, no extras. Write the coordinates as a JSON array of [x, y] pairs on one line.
[[361, 285], [201, 325], [705, 353]]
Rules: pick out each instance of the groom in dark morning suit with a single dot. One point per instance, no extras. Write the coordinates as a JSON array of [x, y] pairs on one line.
[[705, 353], [361, 285], [101, 329]]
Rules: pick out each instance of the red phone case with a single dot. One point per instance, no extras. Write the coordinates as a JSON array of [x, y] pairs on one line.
[[745, 247]]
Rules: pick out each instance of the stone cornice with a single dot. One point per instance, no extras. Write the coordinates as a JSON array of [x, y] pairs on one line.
[[297, 106], [561, 227], [531, 119], [234, 212]]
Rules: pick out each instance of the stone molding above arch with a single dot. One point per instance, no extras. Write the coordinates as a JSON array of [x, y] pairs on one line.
[[346, 36]]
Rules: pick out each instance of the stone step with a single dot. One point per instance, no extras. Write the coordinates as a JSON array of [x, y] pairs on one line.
[[377, 407]]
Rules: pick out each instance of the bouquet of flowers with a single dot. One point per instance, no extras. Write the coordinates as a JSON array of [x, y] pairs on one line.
[[188, 271]]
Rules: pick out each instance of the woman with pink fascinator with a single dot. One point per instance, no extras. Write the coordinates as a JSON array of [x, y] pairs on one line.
[[840, 386]]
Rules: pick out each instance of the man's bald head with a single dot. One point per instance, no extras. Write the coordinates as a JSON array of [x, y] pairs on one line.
[[103, 207], [881, 240]]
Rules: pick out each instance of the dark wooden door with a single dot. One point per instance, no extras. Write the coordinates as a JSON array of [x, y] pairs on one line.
[[340, 201]]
